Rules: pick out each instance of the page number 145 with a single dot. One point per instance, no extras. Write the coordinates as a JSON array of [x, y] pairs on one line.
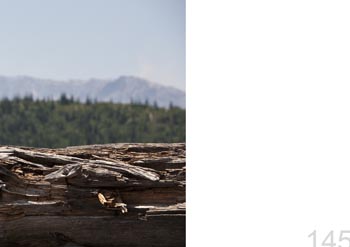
[[331, 239]]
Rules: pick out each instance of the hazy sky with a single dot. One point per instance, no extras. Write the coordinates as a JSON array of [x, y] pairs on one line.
[[81, 39]]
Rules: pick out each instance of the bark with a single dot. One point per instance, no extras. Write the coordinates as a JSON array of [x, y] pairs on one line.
[[98, 195]]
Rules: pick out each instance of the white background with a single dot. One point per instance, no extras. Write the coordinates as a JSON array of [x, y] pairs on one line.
[[268, 122]]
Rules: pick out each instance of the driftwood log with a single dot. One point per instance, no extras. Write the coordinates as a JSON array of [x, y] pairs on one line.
[[98, 195]]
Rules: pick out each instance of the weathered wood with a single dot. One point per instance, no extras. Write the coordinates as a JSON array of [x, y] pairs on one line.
[[98, 195]]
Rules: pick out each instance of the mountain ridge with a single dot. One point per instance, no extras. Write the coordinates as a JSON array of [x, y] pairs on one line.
[[124, 89]]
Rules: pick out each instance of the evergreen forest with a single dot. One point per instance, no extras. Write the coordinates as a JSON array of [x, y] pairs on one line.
[[67, 122]]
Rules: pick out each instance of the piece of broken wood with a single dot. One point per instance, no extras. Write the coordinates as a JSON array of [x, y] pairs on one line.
[[98, 195]]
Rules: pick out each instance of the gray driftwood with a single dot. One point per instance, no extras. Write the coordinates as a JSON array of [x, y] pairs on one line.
[[99, 195]]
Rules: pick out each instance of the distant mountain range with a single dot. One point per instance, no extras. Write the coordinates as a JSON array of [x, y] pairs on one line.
[[122, 90]]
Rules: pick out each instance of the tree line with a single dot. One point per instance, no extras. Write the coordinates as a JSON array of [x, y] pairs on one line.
[[67, 122]]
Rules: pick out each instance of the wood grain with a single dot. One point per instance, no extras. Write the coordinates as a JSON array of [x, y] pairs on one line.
[[97, 195]]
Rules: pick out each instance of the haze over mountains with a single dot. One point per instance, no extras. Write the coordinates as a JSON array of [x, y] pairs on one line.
[[122, 90]]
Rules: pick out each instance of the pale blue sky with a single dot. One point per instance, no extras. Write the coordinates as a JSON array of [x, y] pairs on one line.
[[81, 39]]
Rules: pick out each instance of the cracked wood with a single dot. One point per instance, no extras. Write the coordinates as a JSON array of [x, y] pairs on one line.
[[97, 195]]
